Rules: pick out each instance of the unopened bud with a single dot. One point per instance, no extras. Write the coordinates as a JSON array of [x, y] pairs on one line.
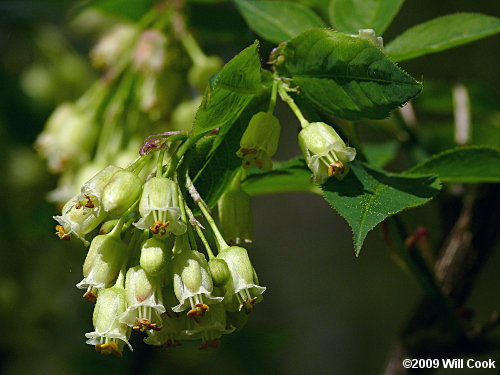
[[235, 216], [122, 190], [219, 271], [154, 256], [108, 226]]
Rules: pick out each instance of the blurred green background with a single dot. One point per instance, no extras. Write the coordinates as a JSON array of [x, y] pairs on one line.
[[325, 311]]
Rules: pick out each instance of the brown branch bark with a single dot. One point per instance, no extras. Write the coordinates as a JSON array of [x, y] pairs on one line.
[[465, 251]]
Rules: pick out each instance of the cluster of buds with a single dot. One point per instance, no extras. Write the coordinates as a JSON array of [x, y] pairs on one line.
[[144, 270]]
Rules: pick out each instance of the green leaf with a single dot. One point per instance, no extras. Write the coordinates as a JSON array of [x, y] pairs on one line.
[[278, 21], [219, 163], [234, 88], [292, 176], [346, 76], [442, 33], [379, 154], [466, 165], [367, 196], [351, 15]]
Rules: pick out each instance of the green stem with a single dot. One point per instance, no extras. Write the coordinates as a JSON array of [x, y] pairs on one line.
[[274, 94], [291, 103], [177, 156], [183, 206], [205, 210], [159, 163], [192, 48], [139, 163], [424, 276], [200, 234], [221, 243]]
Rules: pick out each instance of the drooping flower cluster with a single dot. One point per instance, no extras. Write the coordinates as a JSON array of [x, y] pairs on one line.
[[145, 271]]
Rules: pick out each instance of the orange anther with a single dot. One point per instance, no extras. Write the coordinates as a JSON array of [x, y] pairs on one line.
[[335, 168], [61, 233]]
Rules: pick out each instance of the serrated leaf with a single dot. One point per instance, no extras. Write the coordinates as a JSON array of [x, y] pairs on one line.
[[470, 164], [346, 76], [367, 196], [442, 33], [220, 164], [292, 176], [234, 88], [278, 21], [351, 15], [379, 154]]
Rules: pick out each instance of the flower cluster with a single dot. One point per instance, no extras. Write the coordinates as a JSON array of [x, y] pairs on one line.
[[144, 269]]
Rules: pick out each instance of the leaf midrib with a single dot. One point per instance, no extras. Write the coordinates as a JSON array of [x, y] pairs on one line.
[[362, 222], [340, 76]]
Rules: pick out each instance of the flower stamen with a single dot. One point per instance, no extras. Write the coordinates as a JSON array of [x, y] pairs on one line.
[[144, 325], [90, 295], [109, 347], [60, 232], [159, 227], [336, 168]]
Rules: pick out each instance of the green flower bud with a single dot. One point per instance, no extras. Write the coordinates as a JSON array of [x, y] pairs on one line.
[[112, 45], [201, 71], [110, 335], [108, 226], [154, 256], [242, 291], [122, 190], [260, 141], [210, 327], [219, 271], [149, 55], [68, 137], [143, 295], [95, 186], [192, 283], [103, 262], [235, 216], [325, 152], [159, 208]]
